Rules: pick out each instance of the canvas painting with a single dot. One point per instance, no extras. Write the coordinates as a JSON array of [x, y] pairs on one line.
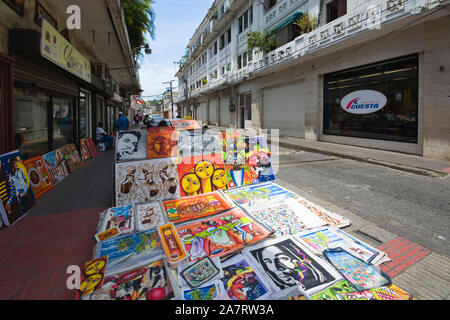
[[85, 154], [285, 217], [196, 143], [331, 218], [287, 263], [121, 217], [92, 148], [146, 181], [148, 215], [127, 249], [220, 235], [16, 193], [242, 281], [56, 164], [92, 276], [207, 292], [201, 174], [236, 166], [149, 281], [259, 194], [131, 145], [162, 142], [259, 160], [108, 234], [72, 157], [359, 274], [199, 273], [39, 176], [171, 244], [183, 124], [194, 207], [342, 290], [391, 292]]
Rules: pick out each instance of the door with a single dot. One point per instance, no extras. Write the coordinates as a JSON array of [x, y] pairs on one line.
[[6, 105], [245, 109]]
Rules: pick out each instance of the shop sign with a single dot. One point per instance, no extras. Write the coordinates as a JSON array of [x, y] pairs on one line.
[[363, 102], [58, 50]]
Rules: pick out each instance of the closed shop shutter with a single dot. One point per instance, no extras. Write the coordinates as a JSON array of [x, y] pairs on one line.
[[212, 112], [201, 111], [284, 109], [225, 112]]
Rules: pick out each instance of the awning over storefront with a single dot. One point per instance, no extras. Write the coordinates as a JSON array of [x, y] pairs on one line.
[[292, 18]]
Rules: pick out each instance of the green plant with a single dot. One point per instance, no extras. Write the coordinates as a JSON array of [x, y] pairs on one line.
[[306, 23], [204, 81], [262, 41]]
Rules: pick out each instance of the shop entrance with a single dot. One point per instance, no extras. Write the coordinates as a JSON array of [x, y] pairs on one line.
[[6, 121]]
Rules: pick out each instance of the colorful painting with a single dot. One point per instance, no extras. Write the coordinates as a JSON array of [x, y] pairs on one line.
[[259, 160], [162, 142], [148, 215], [127, 249], [56, 164], [182, 124], [285, 217], [72, 157], [234, 158], [16, 194], [287, 263], [151, 281], [39, 176], [197, 143], [194, 207], [359, 274], [199, 273], [207, 292], [92, 277], [331, 218], [108, 234], [92, 148], [131, 145], [391, 292], [342, 290], [221, 234], [146, 181], [121, 217], [241, 281], [85, 154], [171, 244], [259, 194], [201, 174]]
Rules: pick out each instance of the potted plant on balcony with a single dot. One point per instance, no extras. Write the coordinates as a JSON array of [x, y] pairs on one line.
[[306, 23], [262, 41], [204, 81]]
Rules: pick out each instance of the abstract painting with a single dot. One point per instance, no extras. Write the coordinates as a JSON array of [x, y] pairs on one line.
[[150, 281], [259, 194], [194, 207], [56, 164], [391, 292], [108, 234], [92, 277], [121, 217], [39, 176], [201, 174], [72, 157], [287, 263], [182, 124], [85, 154], [131, 145], [199, 273], [148, 215], [342, 290], [234, 158], [207, 292], [16, 193], [146, 181], [331, 218], [221, 234], [92, 148], [171, 244], [359, 274], [197, 143], [162, 142], [259, 159]]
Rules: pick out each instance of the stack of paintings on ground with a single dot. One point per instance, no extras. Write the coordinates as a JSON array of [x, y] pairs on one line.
[[23, 181], [209, 222]]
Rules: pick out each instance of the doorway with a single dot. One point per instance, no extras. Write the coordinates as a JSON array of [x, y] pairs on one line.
[[245, 109]]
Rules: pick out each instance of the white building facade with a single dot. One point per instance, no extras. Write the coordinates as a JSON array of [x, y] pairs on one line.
[[373, 73]]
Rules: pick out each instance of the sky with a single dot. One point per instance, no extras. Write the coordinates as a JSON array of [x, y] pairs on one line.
[[175, 24]]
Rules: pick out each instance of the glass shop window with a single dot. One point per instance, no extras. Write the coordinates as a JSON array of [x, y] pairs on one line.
[[62, 122], [396, 79]]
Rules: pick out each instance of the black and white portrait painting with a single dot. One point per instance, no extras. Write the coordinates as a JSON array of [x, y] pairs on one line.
[[131, 145], [196, 142]]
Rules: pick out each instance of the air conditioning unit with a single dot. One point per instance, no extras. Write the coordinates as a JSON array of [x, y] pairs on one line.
[[100, 71]]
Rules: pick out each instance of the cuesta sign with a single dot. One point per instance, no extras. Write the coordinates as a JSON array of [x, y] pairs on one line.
[[363, 102]]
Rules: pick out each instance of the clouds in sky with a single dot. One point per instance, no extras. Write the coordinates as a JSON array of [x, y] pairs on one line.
[[176, 21]]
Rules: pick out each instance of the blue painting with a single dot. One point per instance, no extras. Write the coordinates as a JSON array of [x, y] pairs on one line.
[[259, 194]]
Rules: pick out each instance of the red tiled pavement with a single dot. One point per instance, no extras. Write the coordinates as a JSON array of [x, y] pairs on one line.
[[403, 254], [35, 252]]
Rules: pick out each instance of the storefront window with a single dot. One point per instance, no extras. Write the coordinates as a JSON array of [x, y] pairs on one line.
[[30, 122], [396, 80], [62, 122], [85, 115], [100, 111]]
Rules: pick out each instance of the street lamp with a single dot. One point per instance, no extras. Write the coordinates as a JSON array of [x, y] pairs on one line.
[[146, 47]]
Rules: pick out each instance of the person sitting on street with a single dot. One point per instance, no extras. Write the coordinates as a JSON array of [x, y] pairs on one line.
[[103, 137]]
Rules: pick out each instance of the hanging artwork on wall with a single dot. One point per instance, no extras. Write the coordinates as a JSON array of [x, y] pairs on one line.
[[201, 174], [359, 274], [85, 154], [72, 157], [285, 217], [221, 234], [194, 207], [56, 164], [121, 217], [16, 194], [39, 176], [149, 281], [148, 215], [259, 160], [287, 263], [242, 281], [162, 142], [145, 181], [92, 148], [196, 143], [331, 218], [183, 124], [259, 194], [92, 276], [131, 145]]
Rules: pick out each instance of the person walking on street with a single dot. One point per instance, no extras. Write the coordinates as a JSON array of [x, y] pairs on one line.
[[103, 137], [122, 123]]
